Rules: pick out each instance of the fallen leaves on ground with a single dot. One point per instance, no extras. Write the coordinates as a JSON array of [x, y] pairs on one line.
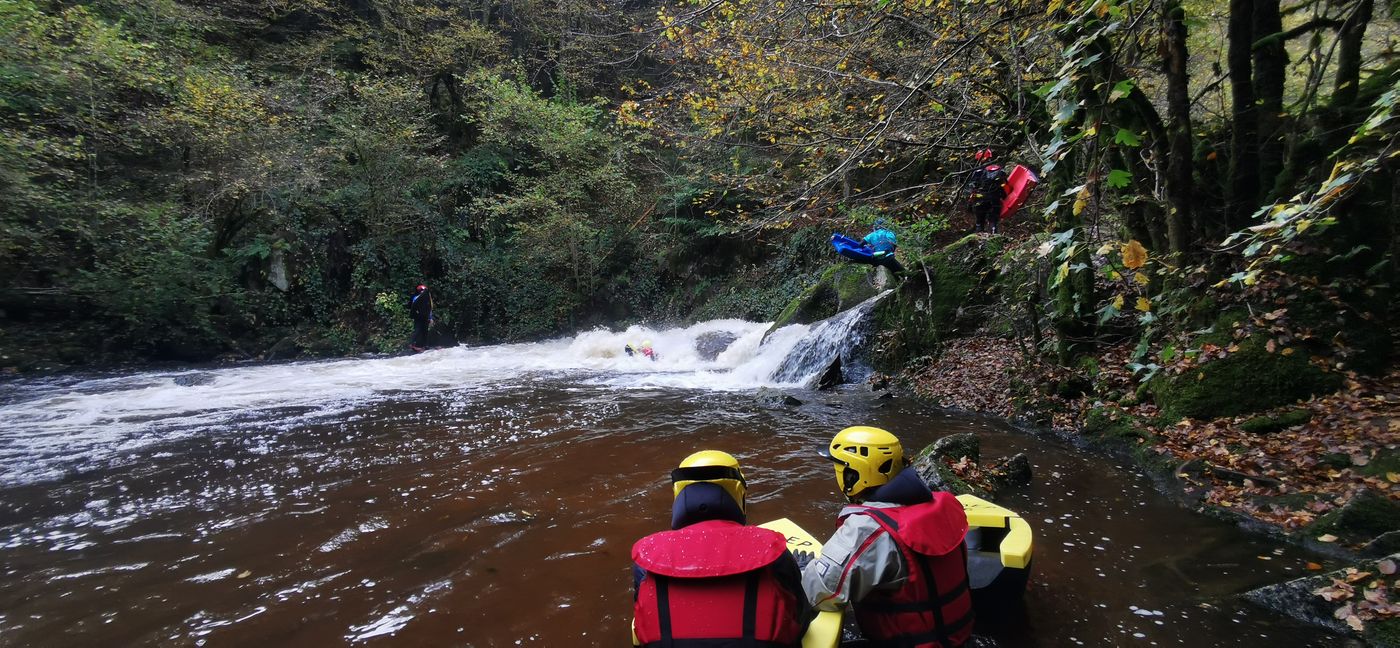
[[1364, 598], [973, 374], [1288, 478], [1319, 460]]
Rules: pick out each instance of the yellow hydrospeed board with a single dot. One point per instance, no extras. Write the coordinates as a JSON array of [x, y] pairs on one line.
[[825, 631]]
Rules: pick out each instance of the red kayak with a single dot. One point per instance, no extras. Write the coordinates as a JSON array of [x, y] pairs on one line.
[[1018, 188]]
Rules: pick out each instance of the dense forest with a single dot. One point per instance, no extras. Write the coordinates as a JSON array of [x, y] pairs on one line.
[[193, 180]]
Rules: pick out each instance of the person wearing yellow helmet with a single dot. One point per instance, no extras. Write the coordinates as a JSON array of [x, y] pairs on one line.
[[897, 556], [711, 579]]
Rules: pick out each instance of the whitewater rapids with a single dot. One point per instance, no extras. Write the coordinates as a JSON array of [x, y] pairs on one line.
[[44, 424]]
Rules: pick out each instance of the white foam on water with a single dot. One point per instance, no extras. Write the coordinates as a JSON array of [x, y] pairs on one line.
[[44, 432]]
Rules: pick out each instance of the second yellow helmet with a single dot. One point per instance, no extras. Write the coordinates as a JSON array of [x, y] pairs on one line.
[[866, 457]]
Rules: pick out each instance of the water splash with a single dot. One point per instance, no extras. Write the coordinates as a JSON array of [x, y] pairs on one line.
[[49, 429], [842, 336]]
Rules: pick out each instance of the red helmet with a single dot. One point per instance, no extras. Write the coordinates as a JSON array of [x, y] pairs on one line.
[[421, 287]]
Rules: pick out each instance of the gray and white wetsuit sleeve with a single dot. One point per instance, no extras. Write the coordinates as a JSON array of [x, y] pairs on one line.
[[858, 558]]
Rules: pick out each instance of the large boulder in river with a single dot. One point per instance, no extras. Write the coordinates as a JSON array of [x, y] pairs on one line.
[[932, 463], [1012, 472], [832, 376], [957, 446], [773, 397], [194, 379], [709, 345], [842, 286]]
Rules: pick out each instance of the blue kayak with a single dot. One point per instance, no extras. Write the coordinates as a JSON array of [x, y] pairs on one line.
[[862, 252], [853, 249]]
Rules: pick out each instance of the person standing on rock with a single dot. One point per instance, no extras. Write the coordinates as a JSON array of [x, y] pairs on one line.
[[884, 243], [986, 189], [420, 308], [712, 580], [897, 557]]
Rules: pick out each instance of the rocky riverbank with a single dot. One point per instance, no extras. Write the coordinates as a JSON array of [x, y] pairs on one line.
[[1286, 421]]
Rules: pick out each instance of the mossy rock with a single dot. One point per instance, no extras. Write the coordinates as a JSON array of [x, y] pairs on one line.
[[1103, 423], [932, 303], [932, 469], [1120, 432], [1072, 387], [956, 446], [1386, 460], [1276, 422], [1365, 517], [1249, 380], [1296, 600], [1383, 634], [840, 287]]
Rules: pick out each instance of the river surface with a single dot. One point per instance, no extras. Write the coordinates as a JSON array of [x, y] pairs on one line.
[[490, 497]]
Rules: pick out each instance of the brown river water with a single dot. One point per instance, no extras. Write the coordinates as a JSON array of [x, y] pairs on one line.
[[490, 497]]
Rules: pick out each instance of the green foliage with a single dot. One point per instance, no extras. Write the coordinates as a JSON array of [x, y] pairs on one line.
[[155, 282], [397, 325]]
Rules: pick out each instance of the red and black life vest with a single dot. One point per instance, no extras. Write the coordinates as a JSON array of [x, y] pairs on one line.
[[988, 185], [711, 585], [933, 609]]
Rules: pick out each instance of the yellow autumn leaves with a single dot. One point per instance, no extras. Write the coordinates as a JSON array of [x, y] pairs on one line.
[[1134, 257]]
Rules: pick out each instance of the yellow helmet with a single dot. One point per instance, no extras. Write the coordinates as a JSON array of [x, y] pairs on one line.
[[713, 467], [865, 457]]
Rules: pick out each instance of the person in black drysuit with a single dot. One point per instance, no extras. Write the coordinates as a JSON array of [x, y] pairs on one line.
[[420, 308], [986, 189]]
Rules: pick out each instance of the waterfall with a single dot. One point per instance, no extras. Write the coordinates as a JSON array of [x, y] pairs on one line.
[[841, 336]]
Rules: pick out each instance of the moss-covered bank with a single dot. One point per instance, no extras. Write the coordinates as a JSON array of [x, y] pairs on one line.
[[946, 293], [1250, 376]]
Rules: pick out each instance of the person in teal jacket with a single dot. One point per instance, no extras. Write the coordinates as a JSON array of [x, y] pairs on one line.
[[882, 239], [884, 242]]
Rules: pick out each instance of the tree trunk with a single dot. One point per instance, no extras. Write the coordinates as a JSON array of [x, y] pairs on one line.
[[1349, 55], [1270, 63], [1178, 181], [1244, 145]]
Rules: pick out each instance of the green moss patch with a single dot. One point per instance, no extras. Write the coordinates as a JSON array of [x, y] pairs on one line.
[[839, 287], [1383, 634], [1366, 516], [1248, 380], [938, 299], [1386, 460], [1276, 422]]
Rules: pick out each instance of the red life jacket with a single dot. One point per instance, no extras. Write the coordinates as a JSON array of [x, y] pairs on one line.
[[711, 585], [933, 609]]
